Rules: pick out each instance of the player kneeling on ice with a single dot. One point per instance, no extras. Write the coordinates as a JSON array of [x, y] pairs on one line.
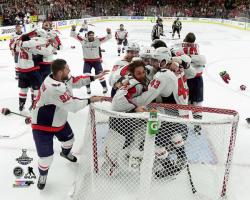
[[50, 111]]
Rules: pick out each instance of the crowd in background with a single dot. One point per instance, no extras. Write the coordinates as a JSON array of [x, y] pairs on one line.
[[16, 11]]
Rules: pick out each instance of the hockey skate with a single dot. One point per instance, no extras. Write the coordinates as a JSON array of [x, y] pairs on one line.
[[69, 157], [41, 182], [105, 90], [170, 168]]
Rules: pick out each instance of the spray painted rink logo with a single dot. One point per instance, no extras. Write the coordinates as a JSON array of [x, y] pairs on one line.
[[24, 159]]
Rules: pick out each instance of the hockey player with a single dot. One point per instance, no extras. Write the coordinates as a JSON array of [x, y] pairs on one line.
[[176, 27], [53, 41], [121, 133], [132, 51], [50, 111], [121, 37], [157, 31], [158, 43], [13, 46], [165, 84], [191, 48], [92, 54], [146, 56], [29, 75], [41, 49], [84, 28]]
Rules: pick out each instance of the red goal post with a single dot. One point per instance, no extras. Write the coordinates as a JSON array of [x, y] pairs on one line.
[[202, 168]]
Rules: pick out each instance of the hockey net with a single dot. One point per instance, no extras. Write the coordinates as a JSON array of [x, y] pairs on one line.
[[188, 159]]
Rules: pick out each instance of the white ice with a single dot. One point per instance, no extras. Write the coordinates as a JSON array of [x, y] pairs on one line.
[[225, 48]]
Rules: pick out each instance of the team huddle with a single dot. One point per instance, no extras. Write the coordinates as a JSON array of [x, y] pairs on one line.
[[155, 73]]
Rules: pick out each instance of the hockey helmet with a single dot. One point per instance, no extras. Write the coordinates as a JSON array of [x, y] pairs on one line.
[[158, 43], [133, 46], [162, 53], [147, 52]]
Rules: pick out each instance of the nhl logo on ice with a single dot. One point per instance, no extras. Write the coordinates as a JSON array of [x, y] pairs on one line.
[[18, 172], [24, 159]]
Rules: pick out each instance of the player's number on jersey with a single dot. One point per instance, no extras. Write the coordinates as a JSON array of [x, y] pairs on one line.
[[155, 83], [190, 50], [182, 91]]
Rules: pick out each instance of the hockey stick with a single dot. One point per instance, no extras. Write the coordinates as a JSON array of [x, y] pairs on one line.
[[190, 180], [6, 111]]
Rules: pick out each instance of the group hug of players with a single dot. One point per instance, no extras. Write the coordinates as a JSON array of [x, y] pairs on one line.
[[172, 73], [156, 73]]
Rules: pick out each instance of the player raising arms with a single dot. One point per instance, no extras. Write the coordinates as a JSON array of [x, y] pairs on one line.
[[121, 37], [91, 47]]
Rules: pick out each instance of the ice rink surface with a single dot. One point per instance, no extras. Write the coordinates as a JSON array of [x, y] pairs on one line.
[[225, 49]]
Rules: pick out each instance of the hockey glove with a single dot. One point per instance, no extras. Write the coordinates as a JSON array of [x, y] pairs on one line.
[[225, 76]]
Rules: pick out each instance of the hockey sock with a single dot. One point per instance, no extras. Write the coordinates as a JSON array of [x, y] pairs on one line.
[[22, 98], [103, 83], [44, 164], [67, 146]]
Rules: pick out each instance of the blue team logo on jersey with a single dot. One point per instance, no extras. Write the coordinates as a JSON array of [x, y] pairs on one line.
[[24, 159]]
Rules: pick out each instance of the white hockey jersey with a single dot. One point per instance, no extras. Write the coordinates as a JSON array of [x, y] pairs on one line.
[[198, 63], [13, 40], [115, 74], [121, 102], [91, 50], [186, 48], [192, 49], [55, 100], [28, 49], [121, 34]]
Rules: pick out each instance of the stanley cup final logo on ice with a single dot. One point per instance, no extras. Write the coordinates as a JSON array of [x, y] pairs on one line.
[[24, 159]]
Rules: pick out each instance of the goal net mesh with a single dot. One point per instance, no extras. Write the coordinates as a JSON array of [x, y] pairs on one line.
[[188, 158]]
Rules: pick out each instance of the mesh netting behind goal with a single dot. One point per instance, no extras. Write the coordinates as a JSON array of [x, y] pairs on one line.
[[187, 159]]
